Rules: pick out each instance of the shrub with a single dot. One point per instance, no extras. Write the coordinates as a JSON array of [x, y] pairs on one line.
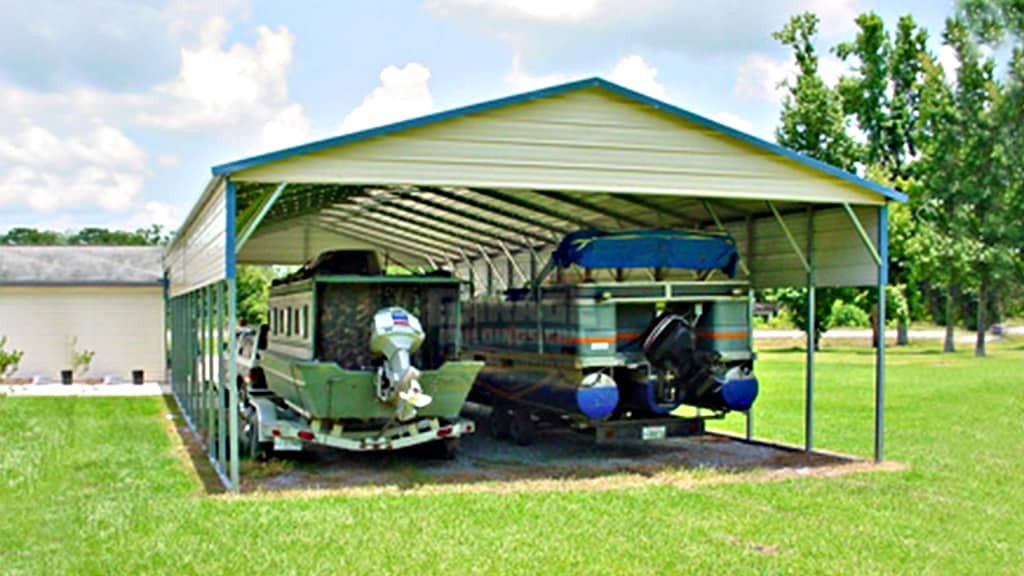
[[848, 315]]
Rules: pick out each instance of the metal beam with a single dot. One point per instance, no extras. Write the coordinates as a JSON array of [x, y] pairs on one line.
[[222, 439], [494, 269], [558, 232], [491, 267], [412, 244], [714, 216], [533, 206], [811, 311], [265, 205], [512, 262], [229, 273], [789, 236], [400, 214], [863, 234], [419, 199], [639, 200], [591, 207], [454, 223], [384, 241], [883, 280], [403, 227]]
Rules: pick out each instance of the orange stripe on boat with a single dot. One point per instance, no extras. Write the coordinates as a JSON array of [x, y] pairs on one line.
[[723, 335]]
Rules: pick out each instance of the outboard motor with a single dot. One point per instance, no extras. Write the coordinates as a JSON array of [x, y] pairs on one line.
[[396, 335], [692, 376]]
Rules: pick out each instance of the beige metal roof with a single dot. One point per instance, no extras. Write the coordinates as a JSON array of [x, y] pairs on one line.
[[509, 177]]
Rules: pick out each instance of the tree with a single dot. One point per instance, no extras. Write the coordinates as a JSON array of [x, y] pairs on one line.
[[941, 246], [882, 95], [1002, 22], [813, 123], [812, 120], [32, 237], [253, 292], [91, 236]]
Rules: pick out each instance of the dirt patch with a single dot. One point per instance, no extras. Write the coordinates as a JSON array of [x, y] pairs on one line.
[[559, 460]]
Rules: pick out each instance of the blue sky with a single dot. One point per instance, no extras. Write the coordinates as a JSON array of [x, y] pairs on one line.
[[113, 111]]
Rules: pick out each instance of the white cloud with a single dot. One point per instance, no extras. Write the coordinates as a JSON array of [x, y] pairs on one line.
[[635, 73], [168, 160], [168, 216], [632, 71], [558, 27], [221, 86], [67, 151], [96, 165], [949, 62], [733, 121], [542, 10], [522, 81], [402, 93], [761, 77]]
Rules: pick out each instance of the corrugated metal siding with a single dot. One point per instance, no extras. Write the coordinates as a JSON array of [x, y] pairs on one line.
[[198, 258], [295, 243], [589, 140], [840, 257], [124, 326]]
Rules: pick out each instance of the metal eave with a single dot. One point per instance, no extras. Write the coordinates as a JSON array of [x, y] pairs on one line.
[[594, 82], [211, 188]]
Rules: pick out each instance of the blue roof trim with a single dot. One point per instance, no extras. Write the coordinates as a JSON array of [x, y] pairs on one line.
[[754, 140], [595, 82]]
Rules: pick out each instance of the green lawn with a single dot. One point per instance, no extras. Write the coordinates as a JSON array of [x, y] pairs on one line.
[[94, 486]]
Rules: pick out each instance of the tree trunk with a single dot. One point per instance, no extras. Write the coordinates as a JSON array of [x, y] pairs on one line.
[[902, 332], [979, 345], [950, 343]]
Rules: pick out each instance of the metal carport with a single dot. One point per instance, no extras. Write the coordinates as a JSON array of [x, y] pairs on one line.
[[485, 190]]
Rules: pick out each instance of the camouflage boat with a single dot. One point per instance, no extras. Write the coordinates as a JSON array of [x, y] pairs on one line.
[[358, 359]]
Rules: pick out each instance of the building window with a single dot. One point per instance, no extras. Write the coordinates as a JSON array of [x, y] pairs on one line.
[[305, 322]]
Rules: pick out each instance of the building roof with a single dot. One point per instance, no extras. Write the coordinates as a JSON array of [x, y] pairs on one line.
[[81, 265]]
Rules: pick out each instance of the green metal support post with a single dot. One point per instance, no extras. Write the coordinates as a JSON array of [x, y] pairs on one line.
[[221, 384], [209, 396], [883, 280], [233, 475], [811, 333]]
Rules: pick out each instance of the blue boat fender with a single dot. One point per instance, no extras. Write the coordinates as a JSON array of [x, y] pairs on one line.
[[739, 389], [597, 396]]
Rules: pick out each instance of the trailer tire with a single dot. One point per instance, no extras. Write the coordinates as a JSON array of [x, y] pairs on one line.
[[522, 428], [446, 448], [500, 422], [252, 447]]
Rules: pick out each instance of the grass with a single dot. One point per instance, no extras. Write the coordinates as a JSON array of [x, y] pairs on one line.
[[98, 486]]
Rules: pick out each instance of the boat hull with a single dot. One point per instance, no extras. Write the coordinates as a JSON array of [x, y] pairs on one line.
[[323, 390]]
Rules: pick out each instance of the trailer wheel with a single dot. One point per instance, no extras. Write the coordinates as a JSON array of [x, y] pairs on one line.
[[446, 448], [500, 422], [521, 427], [251, 445]]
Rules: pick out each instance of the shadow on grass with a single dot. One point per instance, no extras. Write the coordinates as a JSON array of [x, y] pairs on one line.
[[558, 457], [193, 447]]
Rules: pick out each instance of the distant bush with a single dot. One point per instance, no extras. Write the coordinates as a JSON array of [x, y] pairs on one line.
[[9, 359], [848, 315]]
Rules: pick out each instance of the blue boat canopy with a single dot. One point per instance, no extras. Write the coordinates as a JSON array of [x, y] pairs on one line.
[[648, 249]]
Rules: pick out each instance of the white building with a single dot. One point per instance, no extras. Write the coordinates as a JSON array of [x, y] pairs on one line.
[[56, 301]]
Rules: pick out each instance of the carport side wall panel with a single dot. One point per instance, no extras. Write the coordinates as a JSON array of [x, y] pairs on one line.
[[839, 257], [588, 140], [199, 257]]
